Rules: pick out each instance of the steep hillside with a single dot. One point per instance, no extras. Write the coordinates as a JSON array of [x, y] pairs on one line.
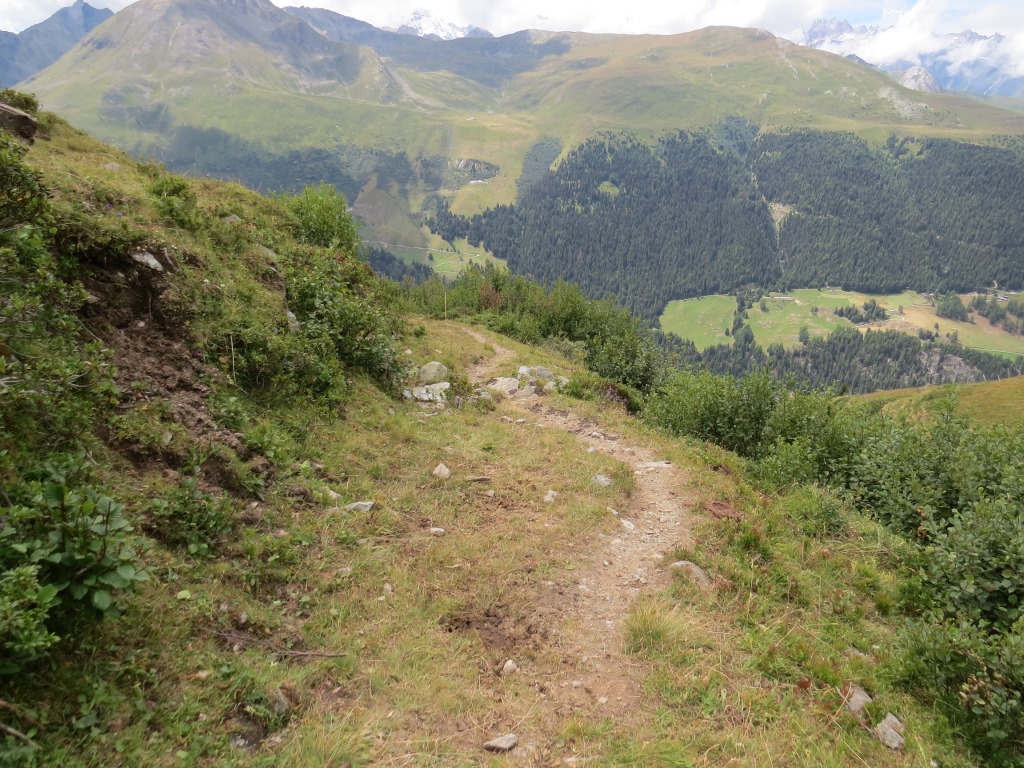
[[728, 208], [226, 538]]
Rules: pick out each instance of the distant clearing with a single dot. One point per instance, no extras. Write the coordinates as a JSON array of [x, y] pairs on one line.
[[704, 320]]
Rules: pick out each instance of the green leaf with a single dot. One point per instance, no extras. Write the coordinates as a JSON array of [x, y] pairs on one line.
[[126, 572], [102, 599]]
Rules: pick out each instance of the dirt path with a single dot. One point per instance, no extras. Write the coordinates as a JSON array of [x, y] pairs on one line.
[[596, 679]]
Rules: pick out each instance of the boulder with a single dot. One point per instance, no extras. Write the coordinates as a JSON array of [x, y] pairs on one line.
[[507, 386], [432, 393], [17, 122], [433, 372]]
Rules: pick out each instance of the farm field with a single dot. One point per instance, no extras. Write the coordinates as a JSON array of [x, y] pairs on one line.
[[705, 319]]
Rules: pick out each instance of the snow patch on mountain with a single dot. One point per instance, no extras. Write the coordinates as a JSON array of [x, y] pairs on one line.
[[422, 24], [990, 65]]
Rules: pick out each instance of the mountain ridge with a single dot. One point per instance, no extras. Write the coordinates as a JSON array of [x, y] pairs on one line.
[[38, 46]]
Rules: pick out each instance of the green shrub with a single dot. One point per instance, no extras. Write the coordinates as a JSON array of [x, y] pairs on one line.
[[188, 517], [26, 102], [816, 512], [176, 202], [74, 539], [732, 413], [24, 608], [977, 677], [322, 218]]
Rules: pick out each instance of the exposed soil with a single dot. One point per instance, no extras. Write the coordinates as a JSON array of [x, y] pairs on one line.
[[595, 678]]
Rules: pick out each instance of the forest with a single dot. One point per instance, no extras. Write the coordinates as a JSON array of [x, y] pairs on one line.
[[690, 215]]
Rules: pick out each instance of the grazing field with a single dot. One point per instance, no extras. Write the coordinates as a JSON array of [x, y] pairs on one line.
[[704, 321], [785, 316], [980, 334], [989, 402]]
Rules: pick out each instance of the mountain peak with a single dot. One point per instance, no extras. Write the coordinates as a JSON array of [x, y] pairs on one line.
[[423, 24]]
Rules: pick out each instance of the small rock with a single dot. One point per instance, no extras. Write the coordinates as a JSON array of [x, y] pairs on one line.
[[542, 373], [437, 531], [442, 472], [388, 588], [890, 731], [506, 386], [433, 372], [507, 419], [166, 437], [520, 421], [293, 322], [603, 700], [509, 667], [90, 299], [856, 699], [147, 259], [601, 480], [333, 495], [550, 496], [504, 743], [360, 506], [232, 219], [489, 493], [628, 525], [697, 573], [549, 388]]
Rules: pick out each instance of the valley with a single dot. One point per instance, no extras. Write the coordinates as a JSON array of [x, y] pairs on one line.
[[373, 399]]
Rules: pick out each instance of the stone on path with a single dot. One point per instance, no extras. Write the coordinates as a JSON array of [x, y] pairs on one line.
[[442, 472], [504, 743], [698, 574]]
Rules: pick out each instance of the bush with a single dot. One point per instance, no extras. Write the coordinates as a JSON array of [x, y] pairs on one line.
[[26, 102], [322, 218], [732, 413], [176, 202], [188, 517]]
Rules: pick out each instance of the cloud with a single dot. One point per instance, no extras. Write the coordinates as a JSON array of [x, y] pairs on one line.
[[782, 17]]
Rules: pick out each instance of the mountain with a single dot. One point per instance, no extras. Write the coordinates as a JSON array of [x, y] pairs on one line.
[[407, 127], [24, 54], [964, 61], [422, 24]]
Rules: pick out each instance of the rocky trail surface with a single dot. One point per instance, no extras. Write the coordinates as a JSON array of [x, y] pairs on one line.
[[594, 678]]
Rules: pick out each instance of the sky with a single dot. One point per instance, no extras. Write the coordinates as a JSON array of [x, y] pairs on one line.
[[912, 18]]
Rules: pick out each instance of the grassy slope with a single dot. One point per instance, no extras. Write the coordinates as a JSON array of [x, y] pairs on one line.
[[990, 402], [320, 636]]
